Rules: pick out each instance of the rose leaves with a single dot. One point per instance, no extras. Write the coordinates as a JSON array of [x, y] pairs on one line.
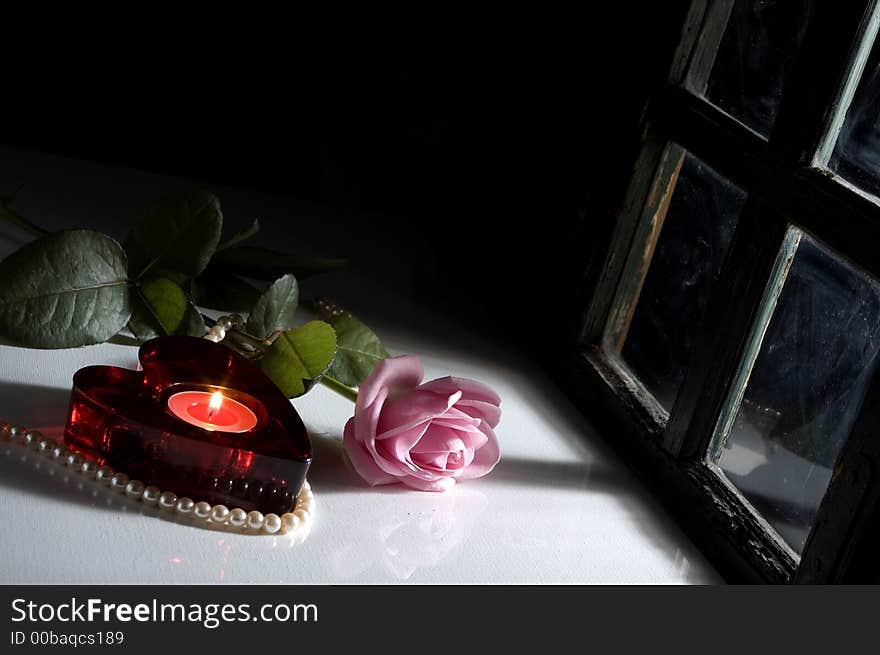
[[358, 351], [80, 287], [178, 234], [63, 290], [274, 309], [299, 357]]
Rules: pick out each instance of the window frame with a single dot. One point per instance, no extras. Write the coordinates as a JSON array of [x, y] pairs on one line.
[[786, 185]]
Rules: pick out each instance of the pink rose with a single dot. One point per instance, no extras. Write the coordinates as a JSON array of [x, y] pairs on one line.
[[426, 436]]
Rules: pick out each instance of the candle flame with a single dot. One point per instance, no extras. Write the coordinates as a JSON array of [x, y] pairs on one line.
[[215, 403]]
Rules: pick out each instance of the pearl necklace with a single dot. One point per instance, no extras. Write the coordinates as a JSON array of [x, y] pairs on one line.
[[298, 522]]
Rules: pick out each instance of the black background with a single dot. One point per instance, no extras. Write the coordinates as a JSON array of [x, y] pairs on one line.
[[510, 142]]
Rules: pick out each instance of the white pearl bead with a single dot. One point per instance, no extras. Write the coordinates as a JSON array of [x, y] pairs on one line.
[[272, 523], [255, 520], [151, 495], [219, 513], [16, 432], [237, 517], [59, 452], [134, 489], [185, 505], [202, 510], [306, 486], [302, 514], [289, 522], [46, 445], [74, 461], [31, 438], [168, 500], [104, 474], [118, 482], [88, 468]]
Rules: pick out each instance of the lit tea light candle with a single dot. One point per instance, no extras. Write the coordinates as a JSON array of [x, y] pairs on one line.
[[212, 411]]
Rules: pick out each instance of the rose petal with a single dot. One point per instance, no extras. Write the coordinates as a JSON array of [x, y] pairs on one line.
[[393, 374], [458, 461], [458, 464], [361, 459], [434, 461], [393, 455], [474, 440], [444, 451], [398, 447], [485, 458], [455, 415], [440, 484], [470, 389], [445, 464], [365, 433], [411, 410], [469, 454], [439, 439], [488, 412], [367, 418]]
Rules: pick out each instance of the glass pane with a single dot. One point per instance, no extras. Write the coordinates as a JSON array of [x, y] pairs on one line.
[[755, 57], [856, 155], [804, 391], [696, 233]]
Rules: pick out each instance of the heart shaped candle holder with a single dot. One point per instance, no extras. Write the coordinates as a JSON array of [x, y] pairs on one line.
[[199, 420]]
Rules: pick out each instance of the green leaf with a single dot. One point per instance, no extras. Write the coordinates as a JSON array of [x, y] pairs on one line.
[[275, 308], [179, 234], [168, 302], [161, 308], [358, 351], [242, 235], [264, 264], [64, 290], [225, 292], [298, 358], [193, 324], [143, 323]]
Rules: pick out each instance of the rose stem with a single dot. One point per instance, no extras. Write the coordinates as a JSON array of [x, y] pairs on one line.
[[342, 389]]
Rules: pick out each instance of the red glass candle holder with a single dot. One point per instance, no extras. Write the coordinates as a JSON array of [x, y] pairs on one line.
[[122, 418]]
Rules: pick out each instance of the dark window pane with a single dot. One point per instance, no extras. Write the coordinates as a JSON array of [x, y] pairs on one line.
[[696, 233], [755, 58], [804, 391], [857, 152]]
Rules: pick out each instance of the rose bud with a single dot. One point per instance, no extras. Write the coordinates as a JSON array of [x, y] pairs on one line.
[[426, 436]]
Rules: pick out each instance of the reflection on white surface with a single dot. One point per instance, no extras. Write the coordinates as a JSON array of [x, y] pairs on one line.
[[403, 536]]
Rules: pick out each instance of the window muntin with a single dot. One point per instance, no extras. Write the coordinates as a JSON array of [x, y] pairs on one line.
[[804, 391], [856, 155], [755, 58], [695, 229]]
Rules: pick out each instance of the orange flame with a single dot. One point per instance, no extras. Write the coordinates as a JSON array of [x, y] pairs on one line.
[[215, 403]]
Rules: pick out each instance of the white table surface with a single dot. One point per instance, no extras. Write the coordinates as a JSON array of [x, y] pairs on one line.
[[559, 508]]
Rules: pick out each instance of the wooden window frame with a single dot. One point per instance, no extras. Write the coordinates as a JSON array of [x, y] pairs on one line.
[[787, 183]]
